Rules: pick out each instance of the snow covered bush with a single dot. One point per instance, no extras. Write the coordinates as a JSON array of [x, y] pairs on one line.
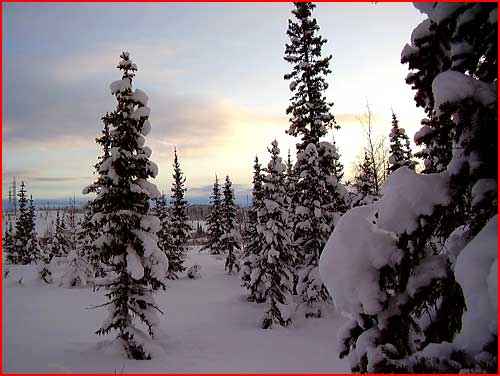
[[418, 278], [79, 272], [194, 272], [128, 243]]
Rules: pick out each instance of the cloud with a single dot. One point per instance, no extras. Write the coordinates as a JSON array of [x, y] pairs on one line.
[[58, 179], [98, 63]]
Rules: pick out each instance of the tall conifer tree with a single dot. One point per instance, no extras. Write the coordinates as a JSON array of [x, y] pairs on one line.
[[229, 242], [253, 249], [128, 242], [310, 119], [24, 230], [179, 226], [215, 226], [400, 147], [277, 260]]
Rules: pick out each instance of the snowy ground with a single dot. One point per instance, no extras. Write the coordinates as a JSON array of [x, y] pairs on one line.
[[208, 327]]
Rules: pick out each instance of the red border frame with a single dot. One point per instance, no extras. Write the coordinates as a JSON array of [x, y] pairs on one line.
[[161, 1]]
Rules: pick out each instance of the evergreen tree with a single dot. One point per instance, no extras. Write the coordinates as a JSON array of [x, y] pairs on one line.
[[33, 246], [79, 272], [165, 242], [72, 224], [454, 61], [252, 281], [363, 181], [428, 56], [128, 243], [215, 226], [337, 166], [8, 245], [59, 243], [310, 119], [86, 236], [179, 226], [24, 231], [276, 265], [400, 147], [290, 180], [229, 243]]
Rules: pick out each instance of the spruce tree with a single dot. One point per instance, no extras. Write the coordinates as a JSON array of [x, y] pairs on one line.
[[337, 167], [8, 245], [86, 235], [128, 243], [276, 264], [72, 224], [364, 181], [79, 271], [229, 243], [460, 92], [59, 243], [24, 230], [34, 245], [400, 147], [165, 242], [252, 253], [290, 179], [215, 227], [310, 119], [427, 56], [179, 226]]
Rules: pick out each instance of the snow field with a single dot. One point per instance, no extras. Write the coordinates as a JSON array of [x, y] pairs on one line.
[[208, 327]]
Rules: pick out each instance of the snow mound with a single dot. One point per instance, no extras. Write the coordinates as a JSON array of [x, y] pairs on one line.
[[476, 270], [407, 195], [140, 97], [452, 86], [134, 265], [365, 240], [349, 264], [120, 86]]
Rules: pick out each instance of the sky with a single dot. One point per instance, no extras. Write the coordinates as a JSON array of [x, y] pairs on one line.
[[214, 76]]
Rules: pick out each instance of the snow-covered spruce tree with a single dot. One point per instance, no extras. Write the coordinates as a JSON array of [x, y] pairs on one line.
[[8, 246], [228, 241], [72, 224], [364, 183], [79, 271], [427, 56], [252, 253], [429, 311], [24, 231], [59, 244], [165, 242], [33, 245], [179, 226], [128, 243], [400, 147], [277, 260], [337, 166], [215, 226], [91, 231], [310, 119], [86, 235]]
